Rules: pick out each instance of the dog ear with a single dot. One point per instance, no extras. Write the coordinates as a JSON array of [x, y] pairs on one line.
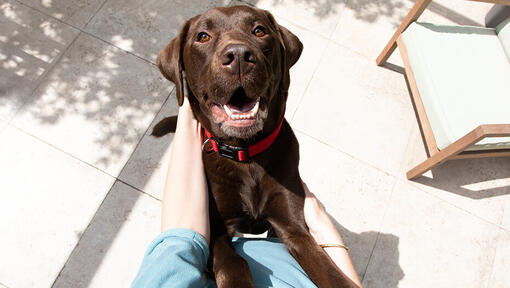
[[170, 61], [291, 45], [165, 126]]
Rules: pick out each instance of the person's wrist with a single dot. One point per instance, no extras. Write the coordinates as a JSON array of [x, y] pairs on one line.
[[326, 233]]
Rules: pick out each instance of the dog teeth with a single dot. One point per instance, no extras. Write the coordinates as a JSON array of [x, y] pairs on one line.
[[242, 116], [229, 112], [255, 108]]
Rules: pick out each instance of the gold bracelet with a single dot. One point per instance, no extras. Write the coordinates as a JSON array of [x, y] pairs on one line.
[[334, 245]]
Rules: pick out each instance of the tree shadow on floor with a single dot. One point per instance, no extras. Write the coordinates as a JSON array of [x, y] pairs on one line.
[[371, 11]]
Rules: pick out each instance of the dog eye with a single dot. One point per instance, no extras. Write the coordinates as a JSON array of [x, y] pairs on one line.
[[259, 31], [203, 37]]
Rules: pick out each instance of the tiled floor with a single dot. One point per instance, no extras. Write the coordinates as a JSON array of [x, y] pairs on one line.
[[81, 179]]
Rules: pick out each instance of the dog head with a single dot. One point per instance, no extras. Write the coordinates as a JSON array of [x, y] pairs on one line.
[[235, 63]]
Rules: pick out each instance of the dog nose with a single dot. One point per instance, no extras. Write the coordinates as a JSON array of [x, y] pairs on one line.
[[238, 59]]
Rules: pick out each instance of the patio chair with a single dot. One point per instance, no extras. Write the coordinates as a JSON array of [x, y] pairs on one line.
[[459, 78]]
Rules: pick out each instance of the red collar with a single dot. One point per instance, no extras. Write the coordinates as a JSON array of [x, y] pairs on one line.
[[241, 154]]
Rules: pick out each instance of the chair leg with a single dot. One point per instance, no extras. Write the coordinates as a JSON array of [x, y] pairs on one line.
[[421, 168]]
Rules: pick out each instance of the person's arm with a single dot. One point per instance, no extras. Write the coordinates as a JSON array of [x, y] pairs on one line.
[[324, 232], [185, 200]]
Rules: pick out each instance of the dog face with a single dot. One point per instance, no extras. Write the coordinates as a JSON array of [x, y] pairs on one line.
[[236, 64]]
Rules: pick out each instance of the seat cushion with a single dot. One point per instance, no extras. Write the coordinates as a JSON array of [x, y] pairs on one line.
[[503, 31], [463, 78]]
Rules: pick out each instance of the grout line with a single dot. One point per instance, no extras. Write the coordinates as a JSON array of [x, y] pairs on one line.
[[57, 148], [83, 161], [414, 184], [139, 190], [82, 30], [489, 279], [379, 230], [504, 228], [339, 16], [302, 96], [451, 204], [121, 49], [94, 15], [116, 179], [82, 234], [43, 77], [141, 138], [345, 153]]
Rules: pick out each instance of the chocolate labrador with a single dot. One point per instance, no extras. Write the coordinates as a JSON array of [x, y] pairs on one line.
[[235, 65]]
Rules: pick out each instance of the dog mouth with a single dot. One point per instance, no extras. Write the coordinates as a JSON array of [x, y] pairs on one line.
[[239, 111], [240, 107]]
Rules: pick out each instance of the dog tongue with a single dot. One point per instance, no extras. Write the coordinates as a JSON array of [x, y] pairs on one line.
[[242, 107], [240, 103]]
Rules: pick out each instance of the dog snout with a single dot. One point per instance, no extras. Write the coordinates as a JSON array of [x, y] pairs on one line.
[[238, 59]]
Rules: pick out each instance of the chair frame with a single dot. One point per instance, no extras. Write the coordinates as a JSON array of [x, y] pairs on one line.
[[456, 150]]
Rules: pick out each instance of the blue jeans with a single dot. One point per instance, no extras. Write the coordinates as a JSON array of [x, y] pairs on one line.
[[178, 258]]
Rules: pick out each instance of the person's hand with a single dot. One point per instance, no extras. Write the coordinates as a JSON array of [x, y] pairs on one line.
[[185, 200], [188, 128]]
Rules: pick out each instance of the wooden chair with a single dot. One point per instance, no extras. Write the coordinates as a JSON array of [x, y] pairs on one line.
[[440, 102]]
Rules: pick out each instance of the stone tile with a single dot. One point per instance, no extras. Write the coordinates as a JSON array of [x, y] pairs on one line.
[[319, 16], [500, 276], [147, 167], [111, 250], [359, 108], [438, 245], [47, 201], [145, 27], [74, 12], [30, 43], [354, 194], [96, 103], [301, 73]]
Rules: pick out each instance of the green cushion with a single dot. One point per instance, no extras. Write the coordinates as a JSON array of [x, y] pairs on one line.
[[463, 78], [503, 31]]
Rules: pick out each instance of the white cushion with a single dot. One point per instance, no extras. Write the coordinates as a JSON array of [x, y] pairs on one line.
[[463, 78]]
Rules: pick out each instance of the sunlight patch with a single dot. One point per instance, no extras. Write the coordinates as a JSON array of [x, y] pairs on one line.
[[489, 184], [126, 44], [46, 3]]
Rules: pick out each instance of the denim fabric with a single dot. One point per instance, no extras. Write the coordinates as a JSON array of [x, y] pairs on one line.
[[178, 257]]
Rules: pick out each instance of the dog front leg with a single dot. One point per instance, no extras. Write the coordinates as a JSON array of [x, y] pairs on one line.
[[230, 269]]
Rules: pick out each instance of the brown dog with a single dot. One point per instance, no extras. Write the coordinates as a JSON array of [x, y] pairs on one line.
[[236, 64]]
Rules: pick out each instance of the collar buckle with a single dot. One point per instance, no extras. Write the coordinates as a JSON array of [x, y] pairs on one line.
[[238, 154]]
